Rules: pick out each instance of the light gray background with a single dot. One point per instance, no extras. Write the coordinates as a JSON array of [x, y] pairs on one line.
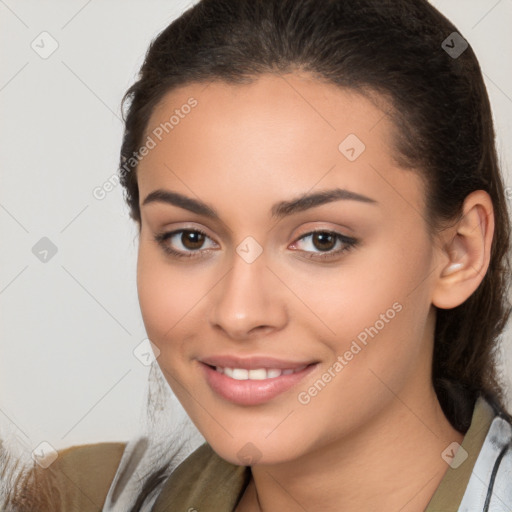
[[69, 326]]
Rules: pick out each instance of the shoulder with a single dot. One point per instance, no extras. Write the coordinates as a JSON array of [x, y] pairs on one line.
[[94, 453], [203, 481], [81, 475], [74, 479]]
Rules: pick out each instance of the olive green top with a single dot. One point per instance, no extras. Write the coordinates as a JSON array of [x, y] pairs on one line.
[[205, 481]]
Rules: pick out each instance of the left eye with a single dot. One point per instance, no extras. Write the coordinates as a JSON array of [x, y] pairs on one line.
[[326, 242]]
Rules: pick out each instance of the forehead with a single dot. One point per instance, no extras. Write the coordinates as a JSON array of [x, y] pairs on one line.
[[280, 133], [291, 105]]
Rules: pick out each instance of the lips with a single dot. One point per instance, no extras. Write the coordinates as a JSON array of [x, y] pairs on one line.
[[252, 381]]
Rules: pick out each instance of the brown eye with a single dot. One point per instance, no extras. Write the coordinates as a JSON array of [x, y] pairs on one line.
[[324, 241], [187, 243], [192, 239], [321, 245]]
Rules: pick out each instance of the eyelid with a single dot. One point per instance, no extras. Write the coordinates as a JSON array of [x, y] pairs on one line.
[[324, 230], [311, 226]]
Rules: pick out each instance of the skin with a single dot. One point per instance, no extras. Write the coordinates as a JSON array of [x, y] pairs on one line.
[[372, 438]]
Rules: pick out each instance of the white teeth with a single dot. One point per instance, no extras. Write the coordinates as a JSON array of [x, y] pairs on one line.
[[240, 374], [228, 372], [256, 374], [273, 372]]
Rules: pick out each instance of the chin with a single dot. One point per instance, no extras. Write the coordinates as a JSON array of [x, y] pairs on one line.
[[247, 452]]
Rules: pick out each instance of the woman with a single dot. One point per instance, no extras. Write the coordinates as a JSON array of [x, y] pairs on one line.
[[323, 267]]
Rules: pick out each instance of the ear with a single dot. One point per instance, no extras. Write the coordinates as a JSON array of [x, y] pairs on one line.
[[465, 252]]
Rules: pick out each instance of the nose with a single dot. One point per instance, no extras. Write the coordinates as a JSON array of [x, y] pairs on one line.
[[248, 301]]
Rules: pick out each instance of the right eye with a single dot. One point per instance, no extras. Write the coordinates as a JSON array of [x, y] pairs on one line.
[[183, 243]]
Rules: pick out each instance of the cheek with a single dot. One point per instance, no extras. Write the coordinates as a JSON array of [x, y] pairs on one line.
[[342, 301], [167, 297], [390, 309], [378, 315]]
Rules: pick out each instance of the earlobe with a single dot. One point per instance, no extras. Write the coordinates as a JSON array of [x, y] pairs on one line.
[[466, 253]]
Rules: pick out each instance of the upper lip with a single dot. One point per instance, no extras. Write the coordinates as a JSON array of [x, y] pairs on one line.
[[251, 363]]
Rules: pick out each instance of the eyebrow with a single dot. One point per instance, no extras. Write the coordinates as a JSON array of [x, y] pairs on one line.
[[278, 211]]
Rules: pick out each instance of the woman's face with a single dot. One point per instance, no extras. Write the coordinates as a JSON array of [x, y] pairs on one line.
[[257, 290]]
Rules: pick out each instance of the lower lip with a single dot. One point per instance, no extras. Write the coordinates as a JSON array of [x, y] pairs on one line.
[[252, 392]]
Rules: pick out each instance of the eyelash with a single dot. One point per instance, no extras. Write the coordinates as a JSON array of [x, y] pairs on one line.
[[350, 243]]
